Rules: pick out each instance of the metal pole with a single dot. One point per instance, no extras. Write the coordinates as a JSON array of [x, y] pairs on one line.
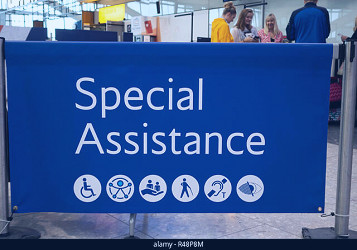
[[4, 193], [263, 14], [346, 142], [132, 221], [192, 27]]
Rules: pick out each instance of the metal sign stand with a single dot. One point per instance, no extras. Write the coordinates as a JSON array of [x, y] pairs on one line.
[[132, 221], [344, 164], [5, 218], [4, 208], [345, 155]]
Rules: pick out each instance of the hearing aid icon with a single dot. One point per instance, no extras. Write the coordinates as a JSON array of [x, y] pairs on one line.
[[218, 188]]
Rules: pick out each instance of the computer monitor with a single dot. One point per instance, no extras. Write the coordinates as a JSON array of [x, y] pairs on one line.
[[203, 39], [127, 37]]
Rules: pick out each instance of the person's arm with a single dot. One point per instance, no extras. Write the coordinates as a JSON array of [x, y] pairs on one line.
[[261, 35], [255, 32], [226, 35], [328, 26], [343, 38], [256, 36], [249, 40], [354, 36], [279, 37], [235, 35], [290, 29]]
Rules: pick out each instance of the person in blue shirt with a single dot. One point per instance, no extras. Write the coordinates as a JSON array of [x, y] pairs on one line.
[[310, 24]]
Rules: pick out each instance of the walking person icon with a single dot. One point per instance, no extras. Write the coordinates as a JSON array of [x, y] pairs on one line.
[[185, 188], [185, 185]]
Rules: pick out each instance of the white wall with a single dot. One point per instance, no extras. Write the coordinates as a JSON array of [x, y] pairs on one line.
[[178, 29], [175, 29], [200, 24]]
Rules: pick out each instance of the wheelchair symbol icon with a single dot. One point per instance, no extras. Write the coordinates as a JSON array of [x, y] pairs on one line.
[[87, 188]]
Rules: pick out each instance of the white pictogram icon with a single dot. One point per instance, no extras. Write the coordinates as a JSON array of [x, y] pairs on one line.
[[120, 188], [250, 188], [152, 188], [185, 188], [218, 188], [87, 188]]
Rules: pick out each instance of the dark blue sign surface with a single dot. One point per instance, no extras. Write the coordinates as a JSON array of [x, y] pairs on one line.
[[153, 127]]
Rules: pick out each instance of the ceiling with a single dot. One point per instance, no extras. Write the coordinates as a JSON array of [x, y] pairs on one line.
[[196, 4]]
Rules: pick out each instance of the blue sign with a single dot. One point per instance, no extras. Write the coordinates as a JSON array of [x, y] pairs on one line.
[[167, 127]]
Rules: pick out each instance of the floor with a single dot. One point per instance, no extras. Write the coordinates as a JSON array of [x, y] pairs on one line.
[[198, 226]]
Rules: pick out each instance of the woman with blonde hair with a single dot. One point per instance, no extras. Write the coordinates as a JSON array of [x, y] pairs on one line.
[[243, 31], [220, 29], [271, 32]]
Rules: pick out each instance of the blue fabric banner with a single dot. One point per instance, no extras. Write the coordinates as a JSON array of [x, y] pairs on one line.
[[168, 127]]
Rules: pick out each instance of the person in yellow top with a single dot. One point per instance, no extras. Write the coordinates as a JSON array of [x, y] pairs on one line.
[[220, 32]]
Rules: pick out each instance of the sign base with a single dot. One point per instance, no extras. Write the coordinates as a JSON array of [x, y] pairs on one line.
[[325, 233], [21, 233], [131, 238]]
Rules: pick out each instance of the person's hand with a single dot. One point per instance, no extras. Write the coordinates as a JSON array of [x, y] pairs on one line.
[[248, 39], [343, 38]]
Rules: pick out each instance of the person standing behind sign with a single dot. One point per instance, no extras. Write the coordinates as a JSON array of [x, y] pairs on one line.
[[243, 31], [310, 24], [220, 29], [343, 39], [271, 32]]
